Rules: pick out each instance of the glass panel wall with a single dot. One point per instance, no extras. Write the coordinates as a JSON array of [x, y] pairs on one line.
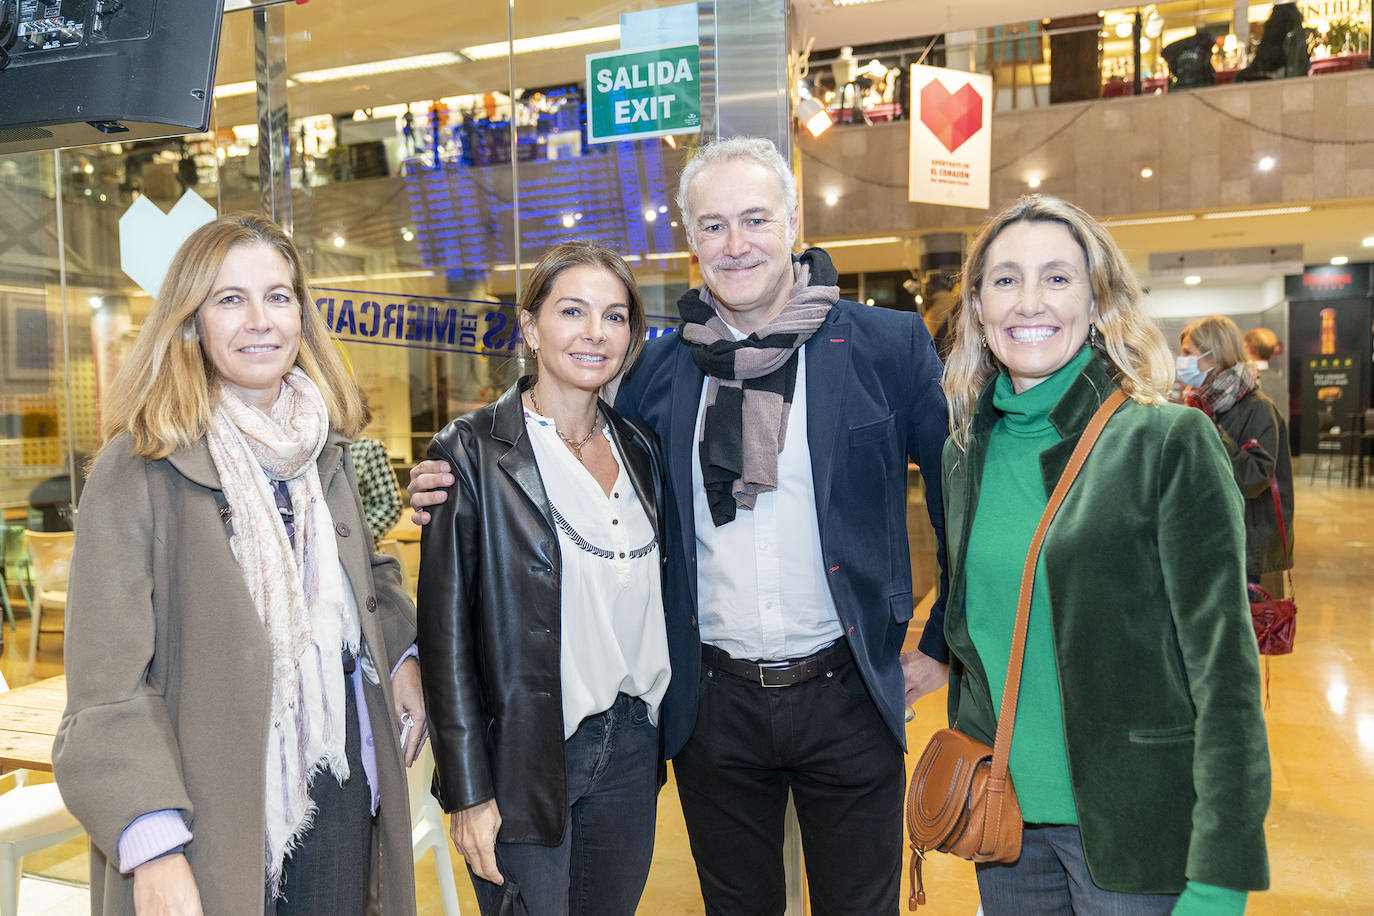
[[428, 171]]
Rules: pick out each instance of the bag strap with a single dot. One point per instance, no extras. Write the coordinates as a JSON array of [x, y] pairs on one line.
[[1250, 445], [1006, 718]]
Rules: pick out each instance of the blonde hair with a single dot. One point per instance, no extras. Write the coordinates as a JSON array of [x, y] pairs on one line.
[[585, 254], [1137, 356], [1218, 336], [163, 394]]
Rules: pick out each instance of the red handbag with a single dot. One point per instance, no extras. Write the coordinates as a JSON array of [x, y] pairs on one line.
[[1275, 619]]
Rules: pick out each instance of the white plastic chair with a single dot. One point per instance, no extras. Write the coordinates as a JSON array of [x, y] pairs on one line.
[[31, 818], [50, 553], [427, 828]]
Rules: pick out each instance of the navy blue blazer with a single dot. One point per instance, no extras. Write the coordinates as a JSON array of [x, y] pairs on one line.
[[873, 401]]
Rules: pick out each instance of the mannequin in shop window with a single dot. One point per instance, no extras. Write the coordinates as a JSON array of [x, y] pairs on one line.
[[1282, 49], [1190, 61]]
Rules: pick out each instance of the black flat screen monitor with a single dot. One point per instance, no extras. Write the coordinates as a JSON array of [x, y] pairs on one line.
[[82, 72]]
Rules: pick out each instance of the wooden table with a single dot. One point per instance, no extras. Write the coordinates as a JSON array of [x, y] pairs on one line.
[[28, 724]]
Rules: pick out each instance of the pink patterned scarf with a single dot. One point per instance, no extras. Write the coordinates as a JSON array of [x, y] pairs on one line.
[[299, 593]]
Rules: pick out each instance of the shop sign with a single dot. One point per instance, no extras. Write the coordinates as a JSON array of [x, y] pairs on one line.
[[648, 92], [470, 326], [951, 137], [474, 327], [1344, 282]]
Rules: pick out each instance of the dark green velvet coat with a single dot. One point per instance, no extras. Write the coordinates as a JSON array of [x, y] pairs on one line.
[[1158, 668]]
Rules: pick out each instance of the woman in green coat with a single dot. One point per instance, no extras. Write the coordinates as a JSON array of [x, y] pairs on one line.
[[1139, 754]]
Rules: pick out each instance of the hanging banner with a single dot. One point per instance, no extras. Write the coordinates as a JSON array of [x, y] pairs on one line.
[[648, 92], [951, 137]]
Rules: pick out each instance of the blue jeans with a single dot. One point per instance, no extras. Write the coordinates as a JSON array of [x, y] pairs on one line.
[[1051, 878], [608, 839]]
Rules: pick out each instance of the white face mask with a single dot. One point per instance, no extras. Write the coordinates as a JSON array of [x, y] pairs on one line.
[[1188, 372]]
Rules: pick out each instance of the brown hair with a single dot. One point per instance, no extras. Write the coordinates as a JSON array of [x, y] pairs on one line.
[[1136, 354], [585, 254], [162, 394], [1218, 336], [1261, 343]]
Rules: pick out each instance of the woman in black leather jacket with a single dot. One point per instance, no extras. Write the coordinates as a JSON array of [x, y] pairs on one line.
[[541, 632]]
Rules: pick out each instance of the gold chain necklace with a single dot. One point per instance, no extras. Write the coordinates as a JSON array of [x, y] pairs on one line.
[[575, 446]]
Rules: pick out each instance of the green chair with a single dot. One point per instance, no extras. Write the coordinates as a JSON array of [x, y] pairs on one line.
[[14, 558]]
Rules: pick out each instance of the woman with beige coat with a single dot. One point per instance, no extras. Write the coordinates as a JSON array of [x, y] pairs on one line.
[[237, 657]]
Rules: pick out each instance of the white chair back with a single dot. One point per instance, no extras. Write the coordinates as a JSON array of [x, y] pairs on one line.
[[427, 828]]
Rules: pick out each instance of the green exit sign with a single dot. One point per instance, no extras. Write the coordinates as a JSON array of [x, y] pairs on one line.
[[647, 92]]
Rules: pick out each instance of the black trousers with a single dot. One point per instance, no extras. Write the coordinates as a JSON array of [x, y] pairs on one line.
[[327, 874], [822, 739]]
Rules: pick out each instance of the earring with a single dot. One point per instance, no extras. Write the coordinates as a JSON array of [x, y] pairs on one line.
[[1093, 339], [983, 341], [534, 351]]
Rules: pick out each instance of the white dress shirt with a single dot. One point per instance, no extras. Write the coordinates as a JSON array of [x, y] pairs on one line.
[[614, 639], [761, 589]]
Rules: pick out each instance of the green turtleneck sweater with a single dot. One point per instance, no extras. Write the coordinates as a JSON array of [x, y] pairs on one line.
[[1011, 497], [1010, 500]]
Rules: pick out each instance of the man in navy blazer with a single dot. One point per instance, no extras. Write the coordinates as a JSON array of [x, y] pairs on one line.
[[787, 599]]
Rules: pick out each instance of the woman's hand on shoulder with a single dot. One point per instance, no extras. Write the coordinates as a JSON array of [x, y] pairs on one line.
[[166, 887], [473, 831], [410, 701]]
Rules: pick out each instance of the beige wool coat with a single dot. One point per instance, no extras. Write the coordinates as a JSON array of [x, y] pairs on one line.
[[169, 684]]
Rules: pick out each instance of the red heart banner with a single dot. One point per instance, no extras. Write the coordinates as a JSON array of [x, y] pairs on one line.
[[951, 117]]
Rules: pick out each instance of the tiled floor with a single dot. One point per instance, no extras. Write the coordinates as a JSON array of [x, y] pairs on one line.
[[1321, 727]]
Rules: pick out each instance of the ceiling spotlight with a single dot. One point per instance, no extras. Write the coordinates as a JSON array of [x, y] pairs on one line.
[[1123, 29], [1266, 164], [868, 301], [650, 215], [1033, 181], [568, 220], [1192, 279], [831, 199], [1368, 242], [662, 208], [1147, 173], [338, 241], [1339, 260], [407, 235], [813, 116]]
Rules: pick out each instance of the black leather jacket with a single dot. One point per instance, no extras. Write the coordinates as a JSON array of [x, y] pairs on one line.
[[489, 617]]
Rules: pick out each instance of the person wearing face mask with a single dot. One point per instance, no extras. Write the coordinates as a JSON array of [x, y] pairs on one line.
[[1138, 752], [1223, 384]]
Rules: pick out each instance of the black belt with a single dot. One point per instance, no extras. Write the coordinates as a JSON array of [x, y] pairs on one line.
[[784, 673]]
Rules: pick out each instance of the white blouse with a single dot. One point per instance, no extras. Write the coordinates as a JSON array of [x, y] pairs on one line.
[[614, 638]]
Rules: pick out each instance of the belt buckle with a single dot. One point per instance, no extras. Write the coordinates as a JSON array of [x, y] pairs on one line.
[[764, 668]]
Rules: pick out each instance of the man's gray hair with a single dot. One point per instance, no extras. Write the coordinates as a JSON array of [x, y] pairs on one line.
[[760, 149]]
